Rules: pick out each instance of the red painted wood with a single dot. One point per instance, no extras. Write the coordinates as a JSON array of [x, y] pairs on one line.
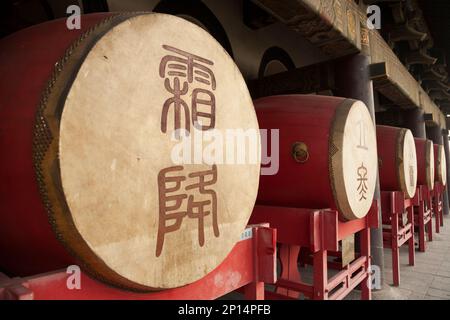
[[320, 232], [394, 205], [366, 292], [283, 219], [236, 271], [421, 147], [27, 59], [387, 138], [437, 195], [387, 145], [320, 277], [423, 217], [306, 119], [289, 269], [411, 244]]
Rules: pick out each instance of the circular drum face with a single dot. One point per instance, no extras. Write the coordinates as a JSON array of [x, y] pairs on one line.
[[354, 161], [441, 165], [407, 163], [132, 214], [429, 153]]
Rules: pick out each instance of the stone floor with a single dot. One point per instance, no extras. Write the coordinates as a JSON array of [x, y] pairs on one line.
[[429, 278]]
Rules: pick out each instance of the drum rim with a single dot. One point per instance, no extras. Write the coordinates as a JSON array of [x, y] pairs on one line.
[[429, 163], [47, 161], [438, 168], [337, 181], [46, 157], [401, 164]]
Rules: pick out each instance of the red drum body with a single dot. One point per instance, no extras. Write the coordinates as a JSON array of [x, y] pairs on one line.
[[397, 160], [440, 165], [327, 150], [27, 59], [425, 162]]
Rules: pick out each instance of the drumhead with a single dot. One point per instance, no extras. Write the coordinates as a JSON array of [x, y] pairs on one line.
[[354, 160], [126, 98]]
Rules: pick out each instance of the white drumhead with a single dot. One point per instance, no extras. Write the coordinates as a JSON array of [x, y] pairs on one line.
[[429, 158], [408, 163], [354, 162], [441, 165], [154, 222]]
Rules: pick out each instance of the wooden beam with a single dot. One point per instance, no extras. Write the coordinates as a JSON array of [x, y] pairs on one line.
[[430, 107], [311, 79], [331, 25], [419, 57], [392, 79], [338, 28], [435, 85], [387, 84], [397, 84], [405, 32], [428, 117], [434, 74]]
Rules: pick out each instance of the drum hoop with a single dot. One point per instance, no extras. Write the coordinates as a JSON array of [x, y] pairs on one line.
[[429, 148], [46, 153], [400, 162]]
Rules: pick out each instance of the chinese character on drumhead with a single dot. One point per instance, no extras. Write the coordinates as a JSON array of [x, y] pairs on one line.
[[172, 205], [185, 69], [362, 179]]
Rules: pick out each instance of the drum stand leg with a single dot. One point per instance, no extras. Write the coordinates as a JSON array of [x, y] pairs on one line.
[[411, 240], [289, 268], [435, 210], [254, 291], [395, 250], [421, 226], [430, 224], [320, 275], [366, 292]]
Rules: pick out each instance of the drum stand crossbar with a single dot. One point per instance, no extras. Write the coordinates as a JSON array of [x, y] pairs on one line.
[[320, 231]]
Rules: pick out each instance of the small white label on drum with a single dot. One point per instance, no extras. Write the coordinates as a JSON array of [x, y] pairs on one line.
[[247, 234]]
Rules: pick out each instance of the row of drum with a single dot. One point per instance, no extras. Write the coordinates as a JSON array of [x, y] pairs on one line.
[[86, 118], [337, 154]]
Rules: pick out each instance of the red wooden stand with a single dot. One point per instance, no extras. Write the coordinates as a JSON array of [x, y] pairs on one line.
[[437, 201], [250, 264], [422, 216], [395, 231], [320, 231]]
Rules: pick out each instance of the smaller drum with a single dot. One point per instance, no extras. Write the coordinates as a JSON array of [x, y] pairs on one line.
[[397, 160], [440, 164], [328, 154], [425, 162]]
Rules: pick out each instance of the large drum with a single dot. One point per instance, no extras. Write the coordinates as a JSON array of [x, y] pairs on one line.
[[397, 160], [440, 166], [89, 120], [425, 162], [328, 154]]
